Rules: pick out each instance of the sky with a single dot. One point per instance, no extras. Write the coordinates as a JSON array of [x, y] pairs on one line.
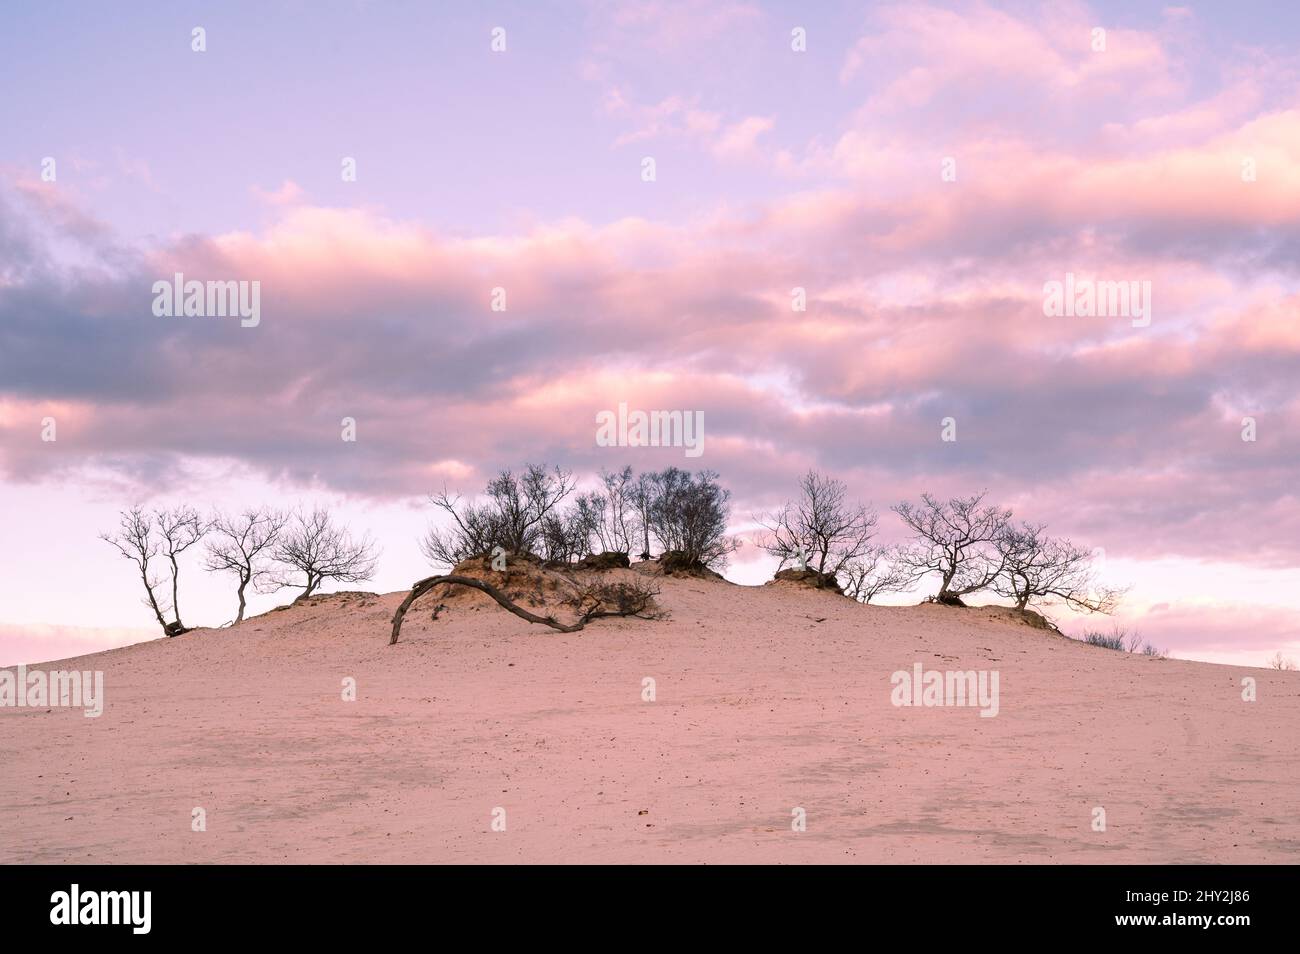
[[921, 171]]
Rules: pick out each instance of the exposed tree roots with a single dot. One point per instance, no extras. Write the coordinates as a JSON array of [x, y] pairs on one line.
[[626, 599]]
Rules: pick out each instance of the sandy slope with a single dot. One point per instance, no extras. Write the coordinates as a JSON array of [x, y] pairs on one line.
[[760, 708]]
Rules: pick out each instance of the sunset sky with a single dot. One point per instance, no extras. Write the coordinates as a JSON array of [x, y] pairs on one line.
[[775, 169]]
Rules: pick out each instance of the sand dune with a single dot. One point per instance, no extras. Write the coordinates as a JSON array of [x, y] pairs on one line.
[[768, 699]]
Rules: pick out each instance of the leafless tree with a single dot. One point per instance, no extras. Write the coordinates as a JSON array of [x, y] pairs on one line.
[[822, 527], [511, 517], [1040, 569], [523, 502], [873, 573], [642, 495], [689, 516], [566, 535], [956, 539], [616, 528], [138, 541], [179, 528], [243, 546], [473, 531], [313, 546], [1281, 663]]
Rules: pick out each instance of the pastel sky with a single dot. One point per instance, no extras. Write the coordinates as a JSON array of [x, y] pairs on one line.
[[775, 169]]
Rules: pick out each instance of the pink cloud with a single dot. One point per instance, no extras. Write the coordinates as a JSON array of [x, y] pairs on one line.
[[1053, 53]]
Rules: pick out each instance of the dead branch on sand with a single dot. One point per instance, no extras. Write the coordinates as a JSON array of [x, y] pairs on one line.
[[624, 600]]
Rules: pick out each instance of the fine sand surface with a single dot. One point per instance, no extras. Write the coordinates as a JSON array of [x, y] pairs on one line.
[[768, 699]]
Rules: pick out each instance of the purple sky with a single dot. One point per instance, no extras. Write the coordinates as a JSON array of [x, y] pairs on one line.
[[775, 169]]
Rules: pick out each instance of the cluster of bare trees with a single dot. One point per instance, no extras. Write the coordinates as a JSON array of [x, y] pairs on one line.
[[262, 548], [537, 512], [139, 541], [1123, 640], [822, 531], [974, 546], [970, 546], [1282, 663], [967, 544]]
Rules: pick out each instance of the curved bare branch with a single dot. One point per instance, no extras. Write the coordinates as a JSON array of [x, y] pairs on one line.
[[633, 602]]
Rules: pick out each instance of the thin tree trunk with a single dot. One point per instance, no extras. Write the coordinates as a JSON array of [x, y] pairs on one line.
[[176, 597], [144, 576]]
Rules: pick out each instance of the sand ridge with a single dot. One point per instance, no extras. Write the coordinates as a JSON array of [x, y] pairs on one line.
[[767, 700]]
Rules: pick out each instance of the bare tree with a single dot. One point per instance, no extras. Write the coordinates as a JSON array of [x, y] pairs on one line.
[[137, 540], [689, 516], [821, 527], [524, 501], [642, 496], [566, 535], [616, 528], [473, 531], [243, 546], [511, 517], [874, 573], [956, 539], [1281, 663], [1038, 569], [316, 548], [179, 528]]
